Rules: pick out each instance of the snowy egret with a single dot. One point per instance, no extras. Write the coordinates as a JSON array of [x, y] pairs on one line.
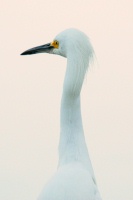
[[74, 179]]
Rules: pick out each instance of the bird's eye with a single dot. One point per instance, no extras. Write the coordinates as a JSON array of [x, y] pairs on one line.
[[55, 44]]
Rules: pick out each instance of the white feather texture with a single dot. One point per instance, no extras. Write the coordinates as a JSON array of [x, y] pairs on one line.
[[74, 179]]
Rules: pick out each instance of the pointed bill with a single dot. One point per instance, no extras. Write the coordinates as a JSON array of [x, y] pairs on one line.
[[46, 48]]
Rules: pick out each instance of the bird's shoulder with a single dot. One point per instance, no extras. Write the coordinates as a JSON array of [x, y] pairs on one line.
[[71, 181]]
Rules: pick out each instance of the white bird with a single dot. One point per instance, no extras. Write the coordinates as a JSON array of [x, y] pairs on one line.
[[74, 179]]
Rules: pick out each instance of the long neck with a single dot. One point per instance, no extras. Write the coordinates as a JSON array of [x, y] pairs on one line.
[[72, 146]]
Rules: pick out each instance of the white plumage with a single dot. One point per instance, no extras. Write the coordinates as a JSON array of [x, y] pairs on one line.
[[74, 179]]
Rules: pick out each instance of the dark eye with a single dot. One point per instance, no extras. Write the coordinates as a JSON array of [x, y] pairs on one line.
[[56, 44]]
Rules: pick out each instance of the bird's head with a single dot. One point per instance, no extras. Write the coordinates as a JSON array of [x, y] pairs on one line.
[[68, 42]]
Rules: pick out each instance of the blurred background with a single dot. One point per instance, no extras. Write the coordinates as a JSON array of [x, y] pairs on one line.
[[31, 88]]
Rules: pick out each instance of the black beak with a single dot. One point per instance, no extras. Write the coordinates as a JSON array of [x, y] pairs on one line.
[[46, 48]]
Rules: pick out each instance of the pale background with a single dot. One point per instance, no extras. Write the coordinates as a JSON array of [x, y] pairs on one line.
[[31, 87]]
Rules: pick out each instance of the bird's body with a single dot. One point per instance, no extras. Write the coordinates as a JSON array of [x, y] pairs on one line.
[[74, 179], [71, 182]]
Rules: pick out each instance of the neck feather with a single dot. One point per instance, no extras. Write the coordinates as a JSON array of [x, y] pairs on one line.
[[72, 146]]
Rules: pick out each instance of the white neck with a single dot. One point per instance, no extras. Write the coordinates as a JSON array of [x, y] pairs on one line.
[[72, 146]]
